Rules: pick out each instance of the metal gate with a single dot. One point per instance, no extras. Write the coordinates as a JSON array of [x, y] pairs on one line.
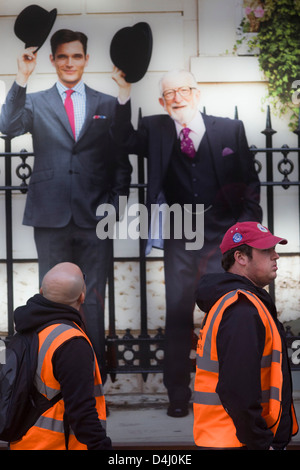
[[144, 353]]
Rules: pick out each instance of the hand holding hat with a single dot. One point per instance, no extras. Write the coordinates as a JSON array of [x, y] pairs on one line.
[[26, 65], [131, 50], [124, 87]]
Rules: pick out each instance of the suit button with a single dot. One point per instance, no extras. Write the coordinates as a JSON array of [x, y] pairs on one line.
[[70, 172]]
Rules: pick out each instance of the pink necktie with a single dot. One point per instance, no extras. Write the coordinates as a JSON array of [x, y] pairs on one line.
[[70, 110], [186, 144]]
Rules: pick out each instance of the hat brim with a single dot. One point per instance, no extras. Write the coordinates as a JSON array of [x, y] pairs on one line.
[[267, 242], [131, 50]]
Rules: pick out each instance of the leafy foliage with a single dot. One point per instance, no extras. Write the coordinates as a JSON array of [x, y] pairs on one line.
[[279, 42]]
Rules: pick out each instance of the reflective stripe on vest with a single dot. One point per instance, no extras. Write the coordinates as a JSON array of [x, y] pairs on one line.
[[213, 427], [40, 385], [212, 398], [55, 425], [48, 431]]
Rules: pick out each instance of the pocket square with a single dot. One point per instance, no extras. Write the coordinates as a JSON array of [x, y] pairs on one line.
[[227, 151]]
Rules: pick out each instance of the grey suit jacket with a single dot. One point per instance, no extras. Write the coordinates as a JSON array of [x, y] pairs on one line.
[[69, 179]]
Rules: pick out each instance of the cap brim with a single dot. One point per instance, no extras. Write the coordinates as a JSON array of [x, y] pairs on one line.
[[267, 242]]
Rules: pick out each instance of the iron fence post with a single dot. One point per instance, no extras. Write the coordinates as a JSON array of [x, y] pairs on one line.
[[9, 237], [269, 132]]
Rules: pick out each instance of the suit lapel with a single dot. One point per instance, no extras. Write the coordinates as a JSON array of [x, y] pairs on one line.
[[214, 139], [168, 136], [91, 106], [213, 134]]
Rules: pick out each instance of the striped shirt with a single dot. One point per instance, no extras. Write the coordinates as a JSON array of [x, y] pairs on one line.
[[79, 103]]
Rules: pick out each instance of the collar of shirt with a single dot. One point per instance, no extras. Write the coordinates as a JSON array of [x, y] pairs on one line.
[[197, 127], [79, 88]]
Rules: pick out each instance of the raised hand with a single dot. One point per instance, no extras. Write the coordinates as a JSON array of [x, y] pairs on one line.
[[124, 87], [26, 64]]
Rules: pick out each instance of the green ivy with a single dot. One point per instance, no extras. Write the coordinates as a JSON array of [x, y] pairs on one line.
[[279, 42]]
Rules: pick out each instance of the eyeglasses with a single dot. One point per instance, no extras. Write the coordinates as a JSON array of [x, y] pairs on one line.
[[184, 91]]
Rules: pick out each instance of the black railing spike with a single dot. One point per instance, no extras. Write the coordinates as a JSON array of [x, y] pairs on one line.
[[268, 130], [139, 117], [297, 131]]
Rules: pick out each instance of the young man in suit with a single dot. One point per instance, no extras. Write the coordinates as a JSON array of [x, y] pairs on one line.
[[218, 175], [77, 167]]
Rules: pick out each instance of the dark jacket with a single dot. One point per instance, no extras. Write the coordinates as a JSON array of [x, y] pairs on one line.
[[73, 365], [240, 344], [233, 163]]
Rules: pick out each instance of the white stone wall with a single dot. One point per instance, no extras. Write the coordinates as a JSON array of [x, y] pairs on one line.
[[195, 34]]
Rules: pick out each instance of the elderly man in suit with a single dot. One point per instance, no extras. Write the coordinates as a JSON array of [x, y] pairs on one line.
[[211, 168], [76, 168]]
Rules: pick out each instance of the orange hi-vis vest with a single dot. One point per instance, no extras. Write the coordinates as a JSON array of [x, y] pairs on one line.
[[213, 427], [48, 431]]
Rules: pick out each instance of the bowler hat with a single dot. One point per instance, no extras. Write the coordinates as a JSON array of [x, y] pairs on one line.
[[131, 49], [34, 24]]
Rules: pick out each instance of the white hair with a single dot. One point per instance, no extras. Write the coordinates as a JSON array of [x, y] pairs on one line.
[[172, 73]]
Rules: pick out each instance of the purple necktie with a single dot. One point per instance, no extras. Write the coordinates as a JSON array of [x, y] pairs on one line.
[[70, 110], [186, 144]]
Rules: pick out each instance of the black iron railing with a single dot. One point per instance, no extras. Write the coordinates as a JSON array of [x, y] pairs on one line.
[[143, 353]]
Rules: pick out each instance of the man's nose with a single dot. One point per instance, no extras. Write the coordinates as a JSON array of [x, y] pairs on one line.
[[177, 96]]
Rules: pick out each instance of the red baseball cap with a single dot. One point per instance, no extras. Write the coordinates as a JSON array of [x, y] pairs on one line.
[[250, 233]]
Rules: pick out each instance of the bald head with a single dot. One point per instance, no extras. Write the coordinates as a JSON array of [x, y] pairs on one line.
[[64, 284]]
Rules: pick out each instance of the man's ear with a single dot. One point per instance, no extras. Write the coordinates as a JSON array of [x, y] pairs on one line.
[[240, 257], [81, 298], [162, 102]]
